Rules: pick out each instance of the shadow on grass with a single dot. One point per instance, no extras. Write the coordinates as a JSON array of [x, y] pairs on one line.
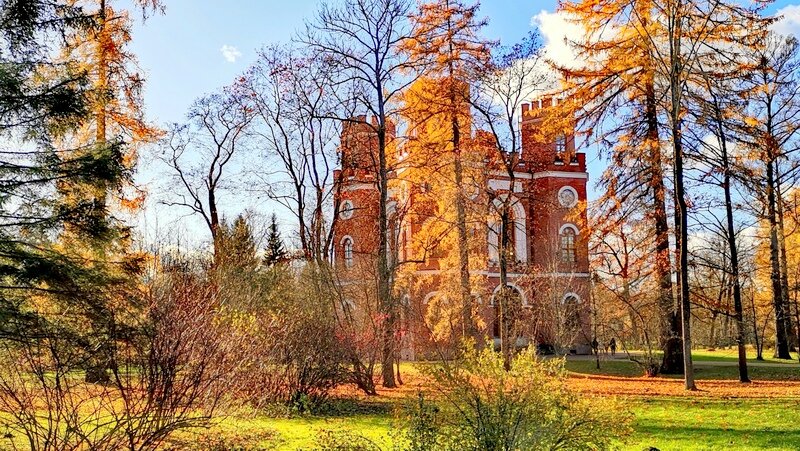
[[623, 368], [348, 407]]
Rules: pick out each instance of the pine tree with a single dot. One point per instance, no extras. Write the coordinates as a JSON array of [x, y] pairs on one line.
[[238, 246], [275, 253], [52, 291]]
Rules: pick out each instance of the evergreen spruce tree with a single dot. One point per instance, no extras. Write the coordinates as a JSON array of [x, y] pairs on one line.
[[41, 101], [53, 185], [238, 247], [275, 252]]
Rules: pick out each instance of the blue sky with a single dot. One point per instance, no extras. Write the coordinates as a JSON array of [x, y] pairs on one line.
[[180, 52], [201, 45]]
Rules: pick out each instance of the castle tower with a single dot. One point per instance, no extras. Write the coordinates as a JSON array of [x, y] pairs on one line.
[[356, 233], [560, 242]]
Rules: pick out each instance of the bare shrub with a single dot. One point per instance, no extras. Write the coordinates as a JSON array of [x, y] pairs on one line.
[[481, 405], [168, 366]]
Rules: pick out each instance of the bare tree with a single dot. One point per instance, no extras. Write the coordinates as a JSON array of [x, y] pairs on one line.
[[516, 75], [200, 152], [625, 279], [362, 38], [292, 96]]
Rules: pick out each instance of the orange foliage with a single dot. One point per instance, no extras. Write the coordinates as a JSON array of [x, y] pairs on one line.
[[644, 387], [657, 386]]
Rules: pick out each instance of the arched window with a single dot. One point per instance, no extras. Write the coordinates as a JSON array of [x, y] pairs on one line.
[[347, 251], [568, 248], [571, 307]]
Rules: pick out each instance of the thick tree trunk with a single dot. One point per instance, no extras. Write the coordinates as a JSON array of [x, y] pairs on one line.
[[467, 326], [781, 337], [683, 258], [788, 326], [385, 300], [670, 342], [681, 209]]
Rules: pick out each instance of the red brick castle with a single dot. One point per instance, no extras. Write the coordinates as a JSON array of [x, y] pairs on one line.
[[550, 268]]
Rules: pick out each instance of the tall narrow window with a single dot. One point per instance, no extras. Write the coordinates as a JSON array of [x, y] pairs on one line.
[[347, 245], [511, 233], [568, 250], [572, 316], [561, 144]]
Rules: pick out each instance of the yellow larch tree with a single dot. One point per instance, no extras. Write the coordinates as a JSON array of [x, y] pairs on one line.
[[436, 215], [617, 78], [445, 36]]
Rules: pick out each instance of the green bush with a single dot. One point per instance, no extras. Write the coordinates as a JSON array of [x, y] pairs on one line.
[[479, 405]]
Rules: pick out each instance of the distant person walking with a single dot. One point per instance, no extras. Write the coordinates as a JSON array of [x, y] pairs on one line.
[[595, 346], [613, 345]]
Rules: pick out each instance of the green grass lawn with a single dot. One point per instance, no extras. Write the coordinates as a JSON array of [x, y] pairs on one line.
[[687, 424], [664, 423], [732, 355]]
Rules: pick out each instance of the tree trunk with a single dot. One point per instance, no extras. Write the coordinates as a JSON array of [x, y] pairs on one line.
[[683, 259], [102, 75], [681, 213], [672, 362], [781, 338], [504, 295], [385, 295], [730, 235], [467, 327], [213, 213], [788, 327]]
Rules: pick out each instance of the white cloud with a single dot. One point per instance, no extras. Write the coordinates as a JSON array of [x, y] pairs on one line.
[[555, 29], [230, 53], [790, 21]]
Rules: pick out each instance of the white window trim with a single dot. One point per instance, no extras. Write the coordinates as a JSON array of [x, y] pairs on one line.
[[567, 188], [570, 295], [344, 252], [510, 285], [428, 297], [344, 212], [568, 226]]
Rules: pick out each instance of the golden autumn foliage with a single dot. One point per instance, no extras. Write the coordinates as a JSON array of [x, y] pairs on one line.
[[117, 106], [763, 297], [441, 167], [428, 170]]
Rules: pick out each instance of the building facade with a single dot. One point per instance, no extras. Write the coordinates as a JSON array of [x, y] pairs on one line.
[[548, 269]]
